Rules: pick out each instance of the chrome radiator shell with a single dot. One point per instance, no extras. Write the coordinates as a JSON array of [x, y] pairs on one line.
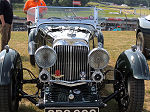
[[71, 61]]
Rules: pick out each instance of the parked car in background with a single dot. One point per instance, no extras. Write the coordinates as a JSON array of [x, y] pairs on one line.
[[67, 45], [143, 36]]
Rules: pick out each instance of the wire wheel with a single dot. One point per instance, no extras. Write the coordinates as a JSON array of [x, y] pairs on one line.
[[131, 99], [9, 94]]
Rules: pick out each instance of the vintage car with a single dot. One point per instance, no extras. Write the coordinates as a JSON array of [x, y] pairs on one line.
[[143, 36], [66, 44]]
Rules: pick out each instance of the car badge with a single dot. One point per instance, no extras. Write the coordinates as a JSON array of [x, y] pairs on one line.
[[57, 77], [57, 74]]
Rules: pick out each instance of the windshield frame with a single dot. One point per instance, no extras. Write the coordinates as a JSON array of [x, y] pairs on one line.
[[93, 22]]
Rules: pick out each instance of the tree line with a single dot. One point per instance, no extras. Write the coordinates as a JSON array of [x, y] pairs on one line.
[[84, 2], [128, 2]]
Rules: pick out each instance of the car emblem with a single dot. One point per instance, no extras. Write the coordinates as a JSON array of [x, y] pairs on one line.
[[57, 74], [57, 77]]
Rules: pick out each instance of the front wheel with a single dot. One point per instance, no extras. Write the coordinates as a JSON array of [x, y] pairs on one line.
[[8, 100], [131, 99], [9, 93]]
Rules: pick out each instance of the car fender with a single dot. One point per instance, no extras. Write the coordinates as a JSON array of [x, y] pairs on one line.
[[7, 65], [144, 23], [133, 62]]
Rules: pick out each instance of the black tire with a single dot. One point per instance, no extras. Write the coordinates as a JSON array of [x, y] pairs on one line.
[[32, 60], [7, 102], [9, 94], [132, 98]]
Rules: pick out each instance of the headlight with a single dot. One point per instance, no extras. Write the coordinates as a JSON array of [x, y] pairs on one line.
[[98, 58], [45, 57]]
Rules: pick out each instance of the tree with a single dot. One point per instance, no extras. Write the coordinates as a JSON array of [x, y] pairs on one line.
[[49, 2], [83, 2], [56, 3], [17, 1]]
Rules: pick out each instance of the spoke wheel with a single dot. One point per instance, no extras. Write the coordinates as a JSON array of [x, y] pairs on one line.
[[9, 94], [131, 99]]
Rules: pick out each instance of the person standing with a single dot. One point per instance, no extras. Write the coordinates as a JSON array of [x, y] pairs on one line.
[[33, 3], [6, 18], [31, 15]]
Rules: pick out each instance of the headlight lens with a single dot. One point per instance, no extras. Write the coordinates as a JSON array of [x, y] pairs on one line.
[[45, 57], [98, 58]]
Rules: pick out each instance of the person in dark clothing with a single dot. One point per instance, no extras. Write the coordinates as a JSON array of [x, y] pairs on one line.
[[6, 18]]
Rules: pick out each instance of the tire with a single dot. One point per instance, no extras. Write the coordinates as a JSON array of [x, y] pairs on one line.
[[8, 105], [32, 60], [132, 98], [9, 94]]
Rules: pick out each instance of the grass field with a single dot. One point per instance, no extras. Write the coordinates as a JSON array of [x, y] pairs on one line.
[[115, 43]]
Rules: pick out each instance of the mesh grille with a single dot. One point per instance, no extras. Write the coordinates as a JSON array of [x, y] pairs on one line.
[[71, 61]]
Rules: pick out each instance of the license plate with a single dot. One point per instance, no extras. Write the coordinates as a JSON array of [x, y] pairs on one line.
[[73, 109]]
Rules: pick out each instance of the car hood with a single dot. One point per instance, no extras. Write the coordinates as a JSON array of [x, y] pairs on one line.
[[69, 33]]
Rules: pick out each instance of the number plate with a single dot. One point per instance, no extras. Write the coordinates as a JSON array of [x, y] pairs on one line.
[[73, 109]]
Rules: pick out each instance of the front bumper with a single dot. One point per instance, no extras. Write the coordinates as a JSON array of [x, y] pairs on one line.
[[99, 104]]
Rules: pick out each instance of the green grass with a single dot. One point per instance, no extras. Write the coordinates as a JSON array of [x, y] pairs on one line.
[[115, 43], [19, 13], [18, 6], [143, 11]]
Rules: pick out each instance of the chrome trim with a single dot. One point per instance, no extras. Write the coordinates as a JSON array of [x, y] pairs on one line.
[[71, 61], [79, 43], [72, 42], [31, 48], [44, 71], [60, 42], [95, 73], [71, 83]]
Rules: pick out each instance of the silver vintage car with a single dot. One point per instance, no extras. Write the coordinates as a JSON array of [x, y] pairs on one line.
[[67, 45]]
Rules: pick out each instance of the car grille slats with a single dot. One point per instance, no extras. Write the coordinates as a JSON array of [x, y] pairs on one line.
[[71, 61]]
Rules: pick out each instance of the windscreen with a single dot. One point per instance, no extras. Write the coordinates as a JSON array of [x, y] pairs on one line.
[[63, 13], [66, 13]]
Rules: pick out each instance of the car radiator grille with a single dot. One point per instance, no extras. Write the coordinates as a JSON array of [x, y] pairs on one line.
[[71, 61]]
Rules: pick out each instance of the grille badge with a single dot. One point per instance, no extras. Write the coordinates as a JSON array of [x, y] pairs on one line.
[[57, 74], [83, 75]]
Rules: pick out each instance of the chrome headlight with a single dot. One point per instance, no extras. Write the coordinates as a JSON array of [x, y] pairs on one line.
[[98, 58], [45, 57]]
